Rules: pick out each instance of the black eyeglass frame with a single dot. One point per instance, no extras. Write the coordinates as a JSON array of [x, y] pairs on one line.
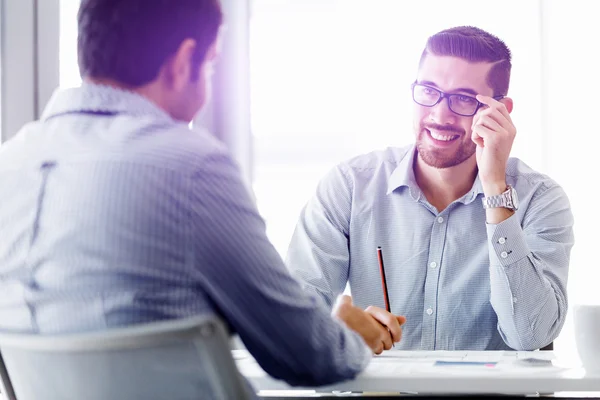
[[448, 96]]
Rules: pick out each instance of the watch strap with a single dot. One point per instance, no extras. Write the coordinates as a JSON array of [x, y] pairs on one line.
[[501, 200]]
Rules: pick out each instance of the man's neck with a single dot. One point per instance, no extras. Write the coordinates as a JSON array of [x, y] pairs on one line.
[[109, 82], [150, 91], [443, 186]]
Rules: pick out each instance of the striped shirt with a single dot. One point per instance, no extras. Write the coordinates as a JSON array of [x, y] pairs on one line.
[[115, 214], [461, 283]]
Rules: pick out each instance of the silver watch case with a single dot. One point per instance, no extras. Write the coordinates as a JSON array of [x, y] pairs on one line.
[[507, 199]]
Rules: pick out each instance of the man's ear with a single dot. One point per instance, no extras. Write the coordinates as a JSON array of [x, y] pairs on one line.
[[179, 67], [508, 102], [213, 51]]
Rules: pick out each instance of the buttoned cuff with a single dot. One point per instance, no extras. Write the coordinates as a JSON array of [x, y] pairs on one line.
[[506, 242]]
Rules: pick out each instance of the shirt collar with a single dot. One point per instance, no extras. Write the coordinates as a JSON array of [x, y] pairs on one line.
[[404, 176], [100, 98], [477, 187], [476, 190]]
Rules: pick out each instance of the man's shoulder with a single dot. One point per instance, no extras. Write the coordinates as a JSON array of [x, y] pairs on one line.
[[15, 150], [141, 140], [167, 144], [388, 159], [180, 144]]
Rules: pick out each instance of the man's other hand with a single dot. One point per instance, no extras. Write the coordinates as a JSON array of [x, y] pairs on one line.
[[373, 331], [392, 322]]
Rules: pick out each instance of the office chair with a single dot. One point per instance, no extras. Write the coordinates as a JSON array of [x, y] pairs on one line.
[[175, 360]]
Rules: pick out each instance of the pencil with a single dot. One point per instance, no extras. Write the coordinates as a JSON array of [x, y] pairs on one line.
[[386, 296]]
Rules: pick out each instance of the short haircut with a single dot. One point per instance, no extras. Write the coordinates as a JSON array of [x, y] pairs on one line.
[[474, 45], [130, 40]]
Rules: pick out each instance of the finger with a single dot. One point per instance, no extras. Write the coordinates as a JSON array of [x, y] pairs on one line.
[[378, 349], [489, 122], [401, 321], [495, 104], [478, 140], [387, 319], [486, 134], [478, 115], [386, 339], [497, 116], [476, 118], [487, 100], [373, 308], [388, 344]]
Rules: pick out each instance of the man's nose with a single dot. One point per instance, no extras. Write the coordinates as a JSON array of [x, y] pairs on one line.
[[441, 113]]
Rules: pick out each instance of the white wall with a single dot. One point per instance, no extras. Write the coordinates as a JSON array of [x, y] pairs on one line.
[[571, 137]]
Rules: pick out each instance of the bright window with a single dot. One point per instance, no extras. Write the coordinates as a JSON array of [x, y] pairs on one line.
[[69, 70]]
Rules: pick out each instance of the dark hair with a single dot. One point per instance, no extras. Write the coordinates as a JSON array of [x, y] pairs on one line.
[[474, 45], [130, 40]]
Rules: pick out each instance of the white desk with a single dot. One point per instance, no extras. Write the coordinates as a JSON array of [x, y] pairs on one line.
[[415, 371]]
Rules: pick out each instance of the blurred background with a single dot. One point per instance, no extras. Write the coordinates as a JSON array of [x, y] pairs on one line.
[[305, 84]]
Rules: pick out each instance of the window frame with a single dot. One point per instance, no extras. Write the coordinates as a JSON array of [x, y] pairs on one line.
[[28, 40]]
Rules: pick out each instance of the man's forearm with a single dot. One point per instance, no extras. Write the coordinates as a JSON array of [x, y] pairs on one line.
[[530, 315], [531, 307]]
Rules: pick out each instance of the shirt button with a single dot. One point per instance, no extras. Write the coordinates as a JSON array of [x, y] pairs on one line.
[[429, 311], [440, 219], [504, 254], [502, 240], [433, 264], [514, 299]]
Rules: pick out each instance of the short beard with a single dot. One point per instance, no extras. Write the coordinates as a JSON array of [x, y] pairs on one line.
[[438, 159]]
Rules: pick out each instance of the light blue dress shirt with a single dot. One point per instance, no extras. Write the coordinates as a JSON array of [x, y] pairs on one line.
[[114, 214], [461, 283]]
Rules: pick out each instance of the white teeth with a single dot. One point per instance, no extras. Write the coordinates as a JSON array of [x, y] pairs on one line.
[[444, 138]]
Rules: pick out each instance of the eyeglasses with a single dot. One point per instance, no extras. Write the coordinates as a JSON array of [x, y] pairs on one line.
[[460, 104]]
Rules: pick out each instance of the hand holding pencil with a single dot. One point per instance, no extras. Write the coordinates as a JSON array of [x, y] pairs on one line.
[[373, 332], [379, 328], [392, 322]]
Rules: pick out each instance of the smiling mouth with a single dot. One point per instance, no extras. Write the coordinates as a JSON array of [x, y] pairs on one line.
[[442, 137]]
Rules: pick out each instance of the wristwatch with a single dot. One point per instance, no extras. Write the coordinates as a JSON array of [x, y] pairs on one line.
[[507, 199]]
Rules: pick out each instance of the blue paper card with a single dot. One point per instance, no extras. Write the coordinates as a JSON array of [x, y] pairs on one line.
[[489, 364]]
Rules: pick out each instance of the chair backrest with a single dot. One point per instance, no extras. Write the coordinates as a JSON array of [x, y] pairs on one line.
[[178, 359]]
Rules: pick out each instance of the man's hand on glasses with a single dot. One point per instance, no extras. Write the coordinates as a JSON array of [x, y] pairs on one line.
[[494, 133]]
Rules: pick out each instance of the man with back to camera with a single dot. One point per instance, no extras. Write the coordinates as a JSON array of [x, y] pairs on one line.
[[114, 213], [476, 244]]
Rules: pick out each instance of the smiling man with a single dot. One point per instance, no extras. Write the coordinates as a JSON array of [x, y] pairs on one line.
[[476, 244]]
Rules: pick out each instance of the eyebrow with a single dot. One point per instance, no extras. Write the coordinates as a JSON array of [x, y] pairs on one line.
[[465, 90]]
